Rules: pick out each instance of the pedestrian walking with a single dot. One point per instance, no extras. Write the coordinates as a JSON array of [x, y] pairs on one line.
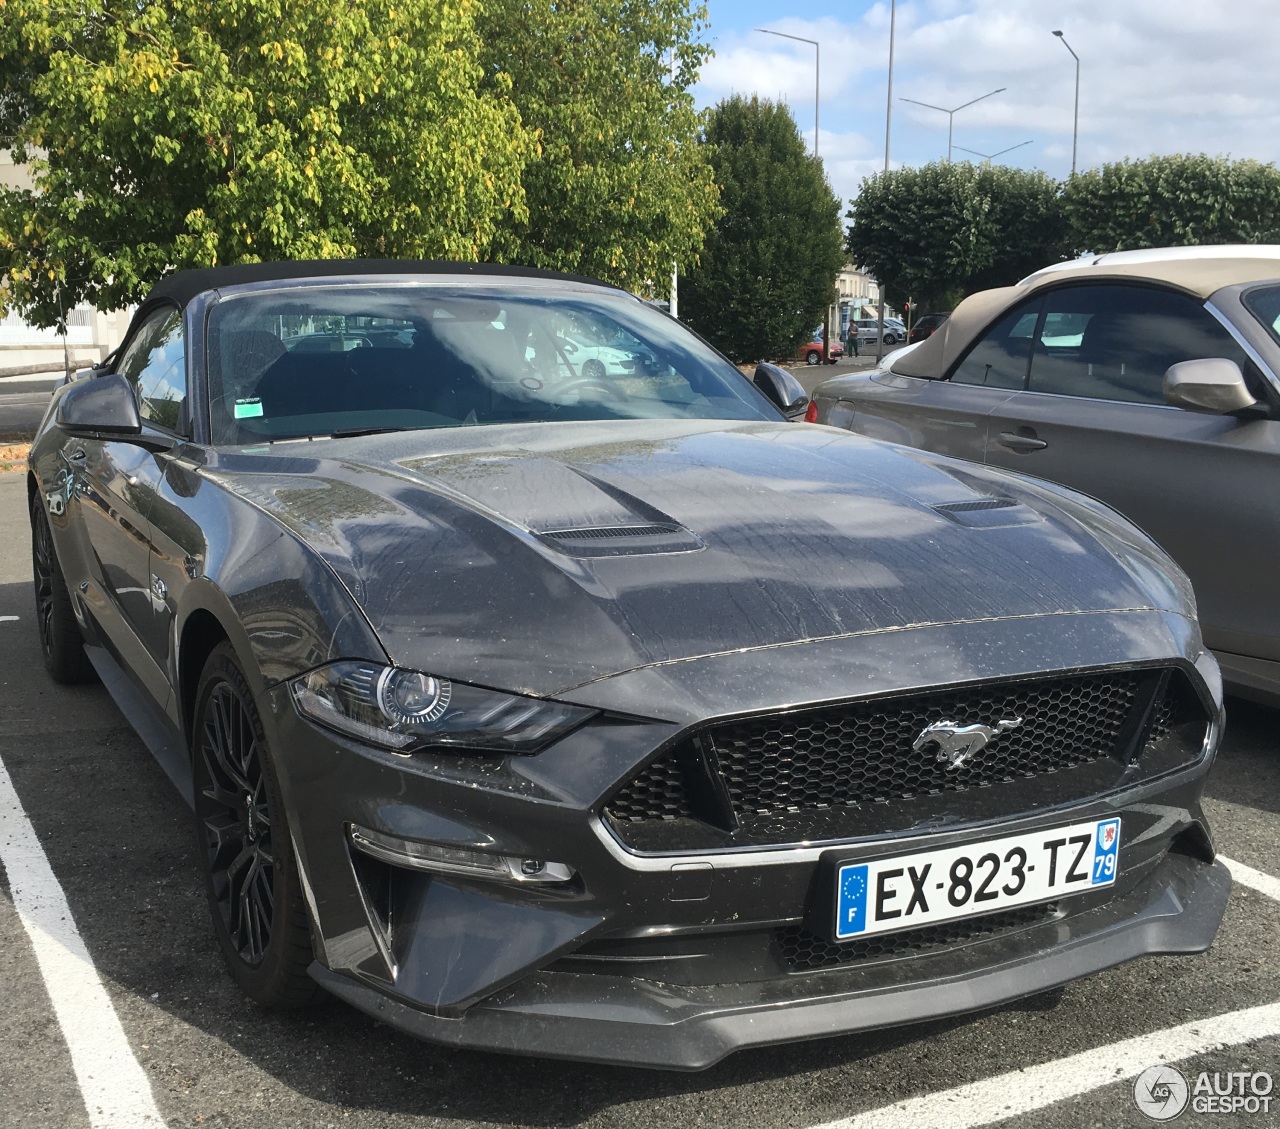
[[851, 341]]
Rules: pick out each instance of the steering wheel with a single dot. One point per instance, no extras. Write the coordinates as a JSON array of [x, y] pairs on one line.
[[571, 392]]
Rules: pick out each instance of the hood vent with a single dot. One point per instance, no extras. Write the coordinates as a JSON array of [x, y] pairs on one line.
[[988, 513], [621, 540]]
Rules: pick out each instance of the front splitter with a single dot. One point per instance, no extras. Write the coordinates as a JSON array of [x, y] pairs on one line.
[[642, 1023]]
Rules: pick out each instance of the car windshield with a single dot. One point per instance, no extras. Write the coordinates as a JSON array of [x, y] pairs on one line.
[[1264, 303], [343, 358]]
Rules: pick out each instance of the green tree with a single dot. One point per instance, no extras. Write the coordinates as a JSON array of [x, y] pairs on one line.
[[948, 228], [1174, 201], [617, 187], [768, 270], [175, 133]]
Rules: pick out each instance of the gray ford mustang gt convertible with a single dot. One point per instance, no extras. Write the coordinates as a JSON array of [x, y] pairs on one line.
[[610, 715]]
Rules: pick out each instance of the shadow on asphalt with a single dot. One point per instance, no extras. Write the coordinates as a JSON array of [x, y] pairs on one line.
[[1253, 777]]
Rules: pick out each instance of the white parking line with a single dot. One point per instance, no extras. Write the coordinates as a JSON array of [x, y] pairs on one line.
[[1254, 879], [1023, 1091], [116, 1091], [8, 619]]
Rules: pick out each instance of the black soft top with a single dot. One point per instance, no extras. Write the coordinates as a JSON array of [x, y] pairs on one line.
[[181, 286]]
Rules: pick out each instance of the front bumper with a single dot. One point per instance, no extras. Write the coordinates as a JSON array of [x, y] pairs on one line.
[[613, 965], [644, 1023]]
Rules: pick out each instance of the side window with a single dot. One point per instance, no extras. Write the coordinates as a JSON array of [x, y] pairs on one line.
[[999, 359], [155, 364], [1115, 342]]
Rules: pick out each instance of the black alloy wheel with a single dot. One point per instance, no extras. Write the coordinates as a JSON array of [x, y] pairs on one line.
[[245, 849], [61, 643]]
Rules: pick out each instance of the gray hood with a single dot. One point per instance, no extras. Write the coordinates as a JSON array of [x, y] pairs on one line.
[[538, 558]]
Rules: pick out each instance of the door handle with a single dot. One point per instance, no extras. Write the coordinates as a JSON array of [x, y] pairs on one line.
[[1016, 442], [77, 456]]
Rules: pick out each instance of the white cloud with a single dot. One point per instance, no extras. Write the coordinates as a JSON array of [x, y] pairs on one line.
[[1157, 76]]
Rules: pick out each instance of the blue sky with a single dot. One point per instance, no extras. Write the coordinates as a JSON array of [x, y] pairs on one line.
[[1157, 76]]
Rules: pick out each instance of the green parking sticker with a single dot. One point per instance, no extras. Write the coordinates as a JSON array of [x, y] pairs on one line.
[[245, 409]]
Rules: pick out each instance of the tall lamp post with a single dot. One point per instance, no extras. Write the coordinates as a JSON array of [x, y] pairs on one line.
[[817, 73], [888, 122], [1075, 125], [951, 114], [993, 156]]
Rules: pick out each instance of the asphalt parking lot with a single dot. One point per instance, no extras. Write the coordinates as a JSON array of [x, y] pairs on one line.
[[119, 990]]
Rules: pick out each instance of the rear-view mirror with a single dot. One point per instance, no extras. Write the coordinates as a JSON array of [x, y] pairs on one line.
[[782, 388], [100, 406], [1210, 384]]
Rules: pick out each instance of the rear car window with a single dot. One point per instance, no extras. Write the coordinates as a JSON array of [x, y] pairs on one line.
[[999, 359]]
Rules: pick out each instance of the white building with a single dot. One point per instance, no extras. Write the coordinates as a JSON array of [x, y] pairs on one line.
[[90, 335], [858, 295]]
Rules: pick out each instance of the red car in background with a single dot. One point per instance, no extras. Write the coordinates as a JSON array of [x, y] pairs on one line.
[[812, 354]]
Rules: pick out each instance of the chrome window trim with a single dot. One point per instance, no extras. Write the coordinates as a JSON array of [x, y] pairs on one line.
[[1240, 340], [1104, 400]]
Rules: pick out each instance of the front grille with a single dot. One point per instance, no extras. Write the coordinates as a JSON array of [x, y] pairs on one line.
[[863, 753], [803, 951], [840, 771], [659, 792]]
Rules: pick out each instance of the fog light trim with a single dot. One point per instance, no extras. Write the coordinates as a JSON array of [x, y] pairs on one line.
[[448, 858]]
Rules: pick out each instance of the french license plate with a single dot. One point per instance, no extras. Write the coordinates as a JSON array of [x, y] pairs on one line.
[[932, 886]]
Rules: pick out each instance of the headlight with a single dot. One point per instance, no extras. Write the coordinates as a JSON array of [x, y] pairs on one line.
[[404, 709]]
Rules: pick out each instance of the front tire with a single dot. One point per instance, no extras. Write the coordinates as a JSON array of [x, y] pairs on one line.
[[61, 643], [813, 357], [245, 849]]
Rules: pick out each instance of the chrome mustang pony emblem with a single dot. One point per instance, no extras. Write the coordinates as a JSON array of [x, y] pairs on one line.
[[957, 743]]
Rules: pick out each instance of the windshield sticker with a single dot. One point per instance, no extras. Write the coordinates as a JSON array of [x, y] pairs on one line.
[[247, 408]]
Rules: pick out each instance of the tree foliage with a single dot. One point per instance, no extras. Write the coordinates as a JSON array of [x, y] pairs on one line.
[[617, 187], [1174, 201], [768, 270], [952, 227], [171, 133]]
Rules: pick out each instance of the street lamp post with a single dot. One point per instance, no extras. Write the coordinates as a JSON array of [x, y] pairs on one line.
[[951, 114], [993, 156], [817, 74], [888, 122], [1075, 125]]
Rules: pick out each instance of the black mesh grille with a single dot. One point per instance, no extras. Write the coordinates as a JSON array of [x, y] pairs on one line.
[[657, 793], [854, 754], [803, 951], [1176, 706], [841, 771]]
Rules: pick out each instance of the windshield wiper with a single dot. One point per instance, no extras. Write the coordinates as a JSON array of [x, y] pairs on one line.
[[354, 432]]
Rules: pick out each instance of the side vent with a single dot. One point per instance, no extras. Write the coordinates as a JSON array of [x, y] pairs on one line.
[[621, 540], [988, 513]]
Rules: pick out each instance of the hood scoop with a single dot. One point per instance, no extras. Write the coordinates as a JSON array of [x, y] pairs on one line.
[[988, 513], [621, 540]]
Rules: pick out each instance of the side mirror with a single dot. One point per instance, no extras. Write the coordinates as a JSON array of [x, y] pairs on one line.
[[101, 406], [782, 388], [1212, 384]]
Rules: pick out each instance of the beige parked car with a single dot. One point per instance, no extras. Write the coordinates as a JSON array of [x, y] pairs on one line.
[[1147, 379]]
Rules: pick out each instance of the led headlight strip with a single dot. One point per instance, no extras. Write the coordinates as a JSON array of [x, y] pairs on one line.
[[406, 709]]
